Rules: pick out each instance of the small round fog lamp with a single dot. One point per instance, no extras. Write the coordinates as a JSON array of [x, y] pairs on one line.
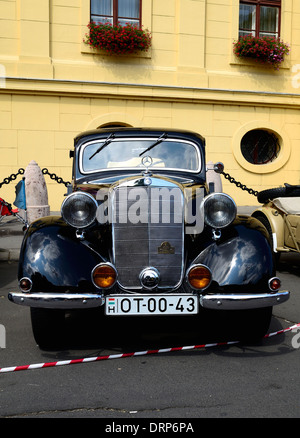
[[199, 276], [104, 275]]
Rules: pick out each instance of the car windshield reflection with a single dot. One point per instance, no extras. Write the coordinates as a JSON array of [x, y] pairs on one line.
[[170, 154]]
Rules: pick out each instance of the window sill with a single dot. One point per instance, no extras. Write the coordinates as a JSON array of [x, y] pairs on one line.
[[248, 62], [89, 50]]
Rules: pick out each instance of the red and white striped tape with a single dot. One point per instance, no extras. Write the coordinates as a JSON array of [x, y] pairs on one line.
[[123, 355]]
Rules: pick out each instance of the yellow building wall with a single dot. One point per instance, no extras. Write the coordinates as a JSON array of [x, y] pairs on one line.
[[53, 86]]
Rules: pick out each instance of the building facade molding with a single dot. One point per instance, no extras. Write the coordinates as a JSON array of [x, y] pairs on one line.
[[117, 90]]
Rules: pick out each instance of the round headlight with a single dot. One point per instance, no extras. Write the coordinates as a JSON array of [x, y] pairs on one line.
[[79, 209], [219, 210]]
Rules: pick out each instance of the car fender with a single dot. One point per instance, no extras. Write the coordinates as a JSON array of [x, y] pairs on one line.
[[241, 260], [55, 259], [276, 221]]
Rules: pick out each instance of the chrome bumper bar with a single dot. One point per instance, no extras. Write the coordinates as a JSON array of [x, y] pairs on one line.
[[57, 300], [243, 301], [86, 300]]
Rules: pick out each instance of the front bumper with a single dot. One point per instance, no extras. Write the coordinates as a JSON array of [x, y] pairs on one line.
[[243, 301], [49, 300], [85, 300]]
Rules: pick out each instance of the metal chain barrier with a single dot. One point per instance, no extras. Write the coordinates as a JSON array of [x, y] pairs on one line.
[[53, 176], [59, 180], [239, 184], [12, 177]]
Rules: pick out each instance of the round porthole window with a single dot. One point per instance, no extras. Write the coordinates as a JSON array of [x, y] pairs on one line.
[[260, 146]]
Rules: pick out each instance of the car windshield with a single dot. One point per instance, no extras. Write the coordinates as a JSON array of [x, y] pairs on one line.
[[170, 154]]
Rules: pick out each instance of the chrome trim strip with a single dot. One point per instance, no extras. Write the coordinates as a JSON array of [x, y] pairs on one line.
[[57, 300], [243, 301]]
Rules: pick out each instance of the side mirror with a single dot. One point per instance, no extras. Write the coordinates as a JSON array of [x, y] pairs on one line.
[[219, 167]]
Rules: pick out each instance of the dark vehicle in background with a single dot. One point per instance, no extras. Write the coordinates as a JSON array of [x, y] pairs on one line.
[[140, 234]]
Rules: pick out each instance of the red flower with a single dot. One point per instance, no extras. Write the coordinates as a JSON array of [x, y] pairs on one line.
[[118, 39], [265, 49]]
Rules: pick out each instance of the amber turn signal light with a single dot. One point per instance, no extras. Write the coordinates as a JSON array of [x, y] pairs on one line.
[[199, 277], [104, 276]]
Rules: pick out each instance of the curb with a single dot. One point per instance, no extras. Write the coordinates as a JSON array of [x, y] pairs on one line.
[[9, 255], [11, 237], [9, 232]]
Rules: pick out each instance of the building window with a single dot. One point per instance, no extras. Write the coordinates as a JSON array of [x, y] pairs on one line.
[[116, 11], [260, 18], [260, 146]]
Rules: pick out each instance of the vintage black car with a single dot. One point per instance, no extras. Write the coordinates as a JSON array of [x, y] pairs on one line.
[[140, 234]]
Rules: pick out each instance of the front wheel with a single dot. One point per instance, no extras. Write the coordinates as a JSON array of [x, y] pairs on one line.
[[253, 324], [48, 326]]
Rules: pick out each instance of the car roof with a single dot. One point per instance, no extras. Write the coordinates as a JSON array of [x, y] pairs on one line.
[[151, 132]]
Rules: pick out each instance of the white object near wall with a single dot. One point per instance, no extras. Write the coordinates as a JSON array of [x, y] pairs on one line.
[[36, 193]]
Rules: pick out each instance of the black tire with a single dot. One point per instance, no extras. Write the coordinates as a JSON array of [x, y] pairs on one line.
[[267, 225], [48, 327], [278, 192], [254, 324]]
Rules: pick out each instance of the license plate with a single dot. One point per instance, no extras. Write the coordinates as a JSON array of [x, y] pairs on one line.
[[151, 305]]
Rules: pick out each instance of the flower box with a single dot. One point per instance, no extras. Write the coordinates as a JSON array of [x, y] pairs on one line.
[[118, 40], [265, 50]]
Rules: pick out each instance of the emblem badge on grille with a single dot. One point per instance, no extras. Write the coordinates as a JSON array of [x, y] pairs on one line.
[[166, 248]]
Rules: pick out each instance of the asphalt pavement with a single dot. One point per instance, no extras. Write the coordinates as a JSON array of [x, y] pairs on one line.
[[11, 236]]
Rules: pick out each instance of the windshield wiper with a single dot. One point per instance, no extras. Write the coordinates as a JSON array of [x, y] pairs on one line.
[[107, 141], [159, 140]]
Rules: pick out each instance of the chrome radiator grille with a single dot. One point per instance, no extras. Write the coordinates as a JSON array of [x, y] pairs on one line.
[[148, 230]]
